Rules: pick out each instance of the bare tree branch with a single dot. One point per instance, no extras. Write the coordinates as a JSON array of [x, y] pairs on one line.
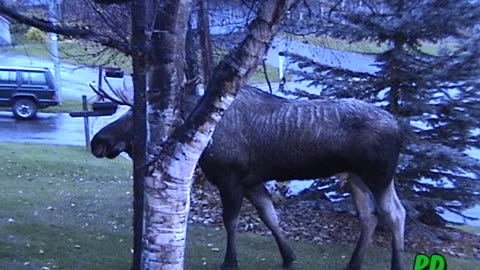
[[73, 32], [265, 74], [107, 21], [334, 8], [121, 100]]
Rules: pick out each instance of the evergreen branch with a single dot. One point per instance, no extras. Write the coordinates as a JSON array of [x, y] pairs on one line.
[[449, 208], [370, 7], [334, 8], [299, 93]]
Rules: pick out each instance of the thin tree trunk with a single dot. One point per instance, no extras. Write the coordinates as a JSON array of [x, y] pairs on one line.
[[167, 191], [205, 44], [396, 80], [139, 169], [191, 49], [139, 10]]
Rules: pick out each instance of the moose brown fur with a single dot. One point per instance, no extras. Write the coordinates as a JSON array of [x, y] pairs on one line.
[[264, 137]]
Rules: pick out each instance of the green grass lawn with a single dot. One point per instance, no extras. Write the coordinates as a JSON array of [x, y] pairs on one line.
[[74, 52], [341, 45], [366, 47], [61, 208], [272, 74], [466, 228]]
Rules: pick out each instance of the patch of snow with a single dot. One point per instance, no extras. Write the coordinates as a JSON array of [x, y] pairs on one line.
[[471, 212], [297, 186]]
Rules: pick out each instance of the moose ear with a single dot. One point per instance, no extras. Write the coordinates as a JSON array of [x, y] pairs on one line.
[[110, 2]]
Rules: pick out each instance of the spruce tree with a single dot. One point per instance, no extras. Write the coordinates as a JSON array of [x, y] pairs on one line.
[[436, 95]]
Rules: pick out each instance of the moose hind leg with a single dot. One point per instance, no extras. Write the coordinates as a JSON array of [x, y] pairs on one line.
[[260, 198], [365, 204], [393, 212], [232, 198]]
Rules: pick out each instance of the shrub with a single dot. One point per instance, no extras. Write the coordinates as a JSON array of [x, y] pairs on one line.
[[35, 35]]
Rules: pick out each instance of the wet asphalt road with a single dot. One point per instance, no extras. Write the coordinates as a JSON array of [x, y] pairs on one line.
[[48, 128], [52, 128]]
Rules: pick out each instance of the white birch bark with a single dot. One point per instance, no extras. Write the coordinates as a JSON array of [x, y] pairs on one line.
[[167, 191]]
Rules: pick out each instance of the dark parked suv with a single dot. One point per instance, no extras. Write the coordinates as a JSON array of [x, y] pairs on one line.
[[26, 90]]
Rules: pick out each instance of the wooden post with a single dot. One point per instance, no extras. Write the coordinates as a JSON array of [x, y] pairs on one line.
[[99, 109], [281, 65], [85, 122], [100, 78]]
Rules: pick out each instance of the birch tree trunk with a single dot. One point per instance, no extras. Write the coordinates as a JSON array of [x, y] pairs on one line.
[[164, 214], [167, 190]]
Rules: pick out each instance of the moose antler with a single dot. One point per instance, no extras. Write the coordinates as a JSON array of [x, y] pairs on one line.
[[119, 95]]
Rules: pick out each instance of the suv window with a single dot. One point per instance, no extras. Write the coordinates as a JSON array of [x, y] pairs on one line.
[[8, 77], [34, 78]]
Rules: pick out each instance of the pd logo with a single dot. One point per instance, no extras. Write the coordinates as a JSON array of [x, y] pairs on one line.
[[434, 262]]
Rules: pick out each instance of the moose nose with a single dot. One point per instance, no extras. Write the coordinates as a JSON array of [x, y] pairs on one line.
[[98, 147]]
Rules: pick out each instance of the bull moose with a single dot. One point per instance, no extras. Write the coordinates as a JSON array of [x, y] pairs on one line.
[[264, 137]]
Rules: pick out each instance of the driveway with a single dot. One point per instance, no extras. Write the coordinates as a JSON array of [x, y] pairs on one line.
[[74, 79], [52, 128], [48, 128], [346, 60]]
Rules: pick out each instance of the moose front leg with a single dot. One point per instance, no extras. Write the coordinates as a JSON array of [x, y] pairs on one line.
[[260, 198]]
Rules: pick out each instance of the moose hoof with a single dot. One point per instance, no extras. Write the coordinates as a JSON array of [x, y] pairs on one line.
[[352, 268], [224, 266], [398, 266], [288, 259], [287, 264]]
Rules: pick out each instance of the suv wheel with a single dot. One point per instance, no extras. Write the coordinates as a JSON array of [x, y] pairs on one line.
[[24, 108]]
